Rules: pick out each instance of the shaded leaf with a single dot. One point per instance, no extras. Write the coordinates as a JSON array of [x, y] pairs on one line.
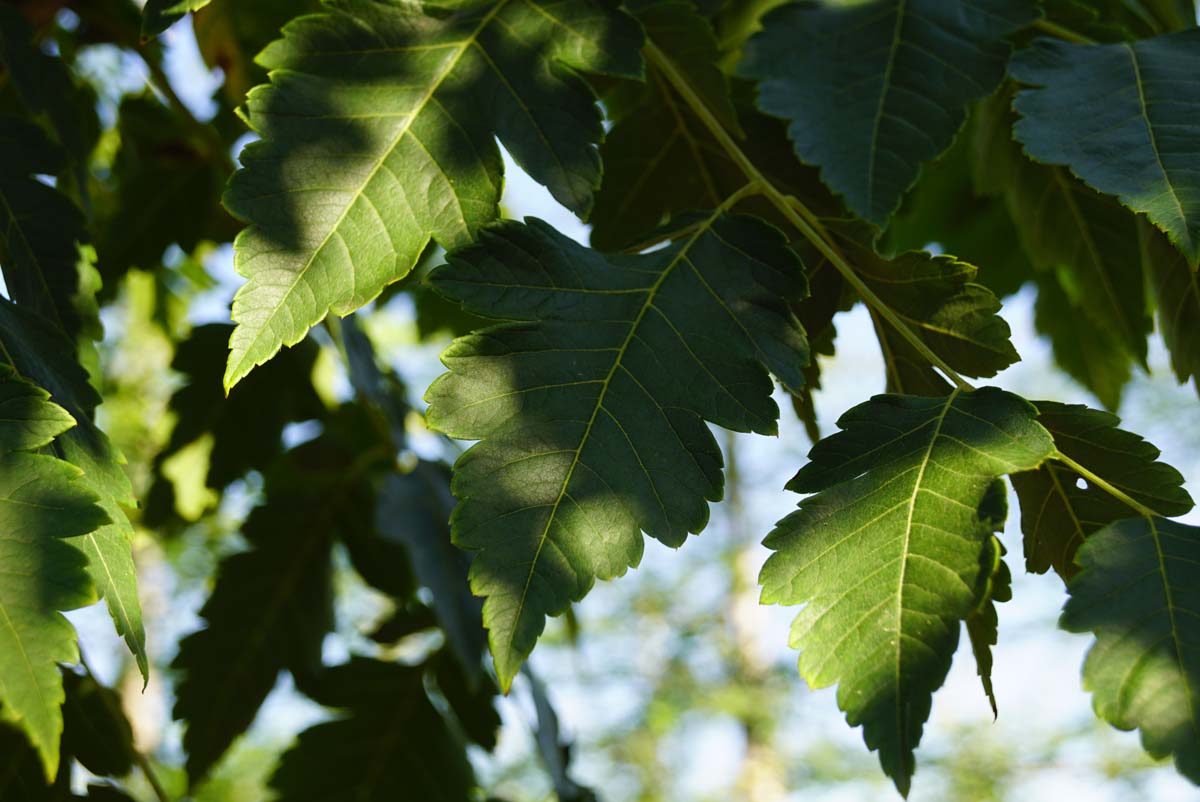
[[1177, 294], [1057, 514], [41, 230], [553, 750], [390, 745], [1136, 591], [983, 625], [22, 777], [592, 412], [379, 133], [888, 555], [1123, 118], [874, 90], [95, 730]]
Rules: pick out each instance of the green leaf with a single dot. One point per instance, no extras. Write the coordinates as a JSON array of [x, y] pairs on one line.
[[390, 745], [1136, 592], [42, 501], [40, 228], [937, 297], [272, 605], [27, 420], [158, 15], [379, 133], [592, 412], [888, 556], [230, 33], [983, 625], [167, 187], [1087, 240], [874, 90], [22, 777], [1176, 290], [1123, 118], [39, 352], [95, 730], [1058, 514]]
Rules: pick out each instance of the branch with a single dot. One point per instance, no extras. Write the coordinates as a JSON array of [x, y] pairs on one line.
[[796, 213]]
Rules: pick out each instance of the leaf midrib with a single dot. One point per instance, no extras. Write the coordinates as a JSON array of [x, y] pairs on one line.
[[901, 731], [901, 8], [606, 383]]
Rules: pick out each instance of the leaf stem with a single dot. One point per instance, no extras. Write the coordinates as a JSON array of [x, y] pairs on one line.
[[139, 759], [1062, 32], [1101, 483], [790, 207]]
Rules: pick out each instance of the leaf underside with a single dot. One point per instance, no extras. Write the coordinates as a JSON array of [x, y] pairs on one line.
[[1125, 118], [888, 556], [378, 132], [1136, 591], [1057, 515], [592, 414], [874, 90]]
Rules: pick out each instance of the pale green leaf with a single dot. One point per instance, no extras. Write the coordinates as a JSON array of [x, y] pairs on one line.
[[1136, 591], [892, 552], [1123, 117], [1058, 511], [379, 132], [874, 90], [592, 413]]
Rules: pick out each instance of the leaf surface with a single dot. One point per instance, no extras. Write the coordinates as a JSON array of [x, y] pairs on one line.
[[592, 411], [1123, 117], [1136, 591], [1057, 514], [39, 352], [1177, 294], [42, 501], [888, 556], [874, 90], [390, 744], [379, 132]]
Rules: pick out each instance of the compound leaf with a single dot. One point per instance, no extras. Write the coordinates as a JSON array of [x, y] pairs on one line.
[[888, 556], [874, 90], [1136, 591], [378, 132], [1123, 117], [592, 412], [1057, 514]]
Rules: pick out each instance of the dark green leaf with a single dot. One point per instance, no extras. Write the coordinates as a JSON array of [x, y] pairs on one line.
[[592, 413], [874, 90], [1136, 590], [391, 745], [379, 133], [168, 184], [1177, 293], [22, 778], [41, 230], [95, 730], [1123, 118], [983, 625], [888, 556], [1057, 514]]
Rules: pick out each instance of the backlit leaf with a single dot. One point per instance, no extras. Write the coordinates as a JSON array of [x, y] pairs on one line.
[[888, 556]]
